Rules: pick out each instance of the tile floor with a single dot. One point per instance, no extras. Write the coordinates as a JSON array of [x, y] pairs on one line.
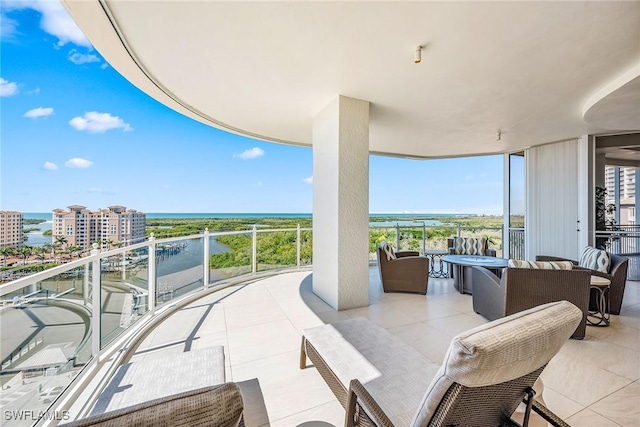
[[593, 382]]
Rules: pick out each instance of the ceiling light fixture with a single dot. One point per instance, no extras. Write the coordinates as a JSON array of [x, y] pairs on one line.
[[499, 136], [418, 56]]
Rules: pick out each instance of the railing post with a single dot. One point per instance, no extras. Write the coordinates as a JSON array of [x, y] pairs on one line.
[[254, 250], [151, 270], [86, 284], [124, 265], [397, 236], [424, 237], [206, 258], [95, 302], [298, 246]]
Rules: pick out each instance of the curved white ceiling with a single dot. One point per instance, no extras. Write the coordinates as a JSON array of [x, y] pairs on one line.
[[616, 106], [264, 69]]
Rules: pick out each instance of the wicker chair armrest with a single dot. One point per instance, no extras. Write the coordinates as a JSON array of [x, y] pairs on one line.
[[549, 416], [359, 400], [401, 254], [554, 258], [409, 262]]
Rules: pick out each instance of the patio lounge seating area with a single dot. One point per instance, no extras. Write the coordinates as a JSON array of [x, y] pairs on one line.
[[260, 325]]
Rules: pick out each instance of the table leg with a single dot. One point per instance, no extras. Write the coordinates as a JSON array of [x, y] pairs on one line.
[[600, 316]]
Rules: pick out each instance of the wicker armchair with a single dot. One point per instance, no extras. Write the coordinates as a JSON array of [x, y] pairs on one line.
[[487, 372], [522, 288], [402, 271], [617, 275]]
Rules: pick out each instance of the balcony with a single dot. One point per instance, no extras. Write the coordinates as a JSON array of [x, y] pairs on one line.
[[258, 312]]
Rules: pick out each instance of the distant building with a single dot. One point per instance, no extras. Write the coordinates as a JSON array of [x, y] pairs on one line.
[[626, 212], [11, 229], [113, 225]]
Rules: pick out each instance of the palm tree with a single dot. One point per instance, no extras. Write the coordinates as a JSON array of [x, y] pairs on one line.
[[75, 249], [39, 252], [6, 252], [61, 241], [25, 251], [49, 248]]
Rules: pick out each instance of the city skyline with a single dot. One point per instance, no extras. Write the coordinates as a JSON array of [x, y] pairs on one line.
[[76, 132]]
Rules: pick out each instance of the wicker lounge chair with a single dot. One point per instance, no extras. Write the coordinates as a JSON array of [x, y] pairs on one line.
[[402, 271], [522, 288], [617, 275], [215, 406], [486, 374]]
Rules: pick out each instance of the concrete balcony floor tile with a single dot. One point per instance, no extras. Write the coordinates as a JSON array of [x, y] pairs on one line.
[[593, 382]]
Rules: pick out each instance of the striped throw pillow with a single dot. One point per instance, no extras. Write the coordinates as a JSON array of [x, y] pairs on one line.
[[469, 245], [541, 265], [595, 259], [388, 250]]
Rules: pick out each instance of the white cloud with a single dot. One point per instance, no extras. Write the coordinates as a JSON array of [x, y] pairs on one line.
[[35, 91], [38, 112], [82, 58], [95, 122], [308, 180], [8, 88], [78, 163], [50, 166], [104, 66], [55, 20], [8, 27], [251, 153]]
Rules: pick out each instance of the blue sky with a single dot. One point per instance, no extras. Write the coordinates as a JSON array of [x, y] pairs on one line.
[[73, 131]]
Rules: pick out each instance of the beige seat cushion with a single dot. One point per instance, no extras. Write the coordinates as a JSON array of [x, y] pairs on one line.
[[394, 373]]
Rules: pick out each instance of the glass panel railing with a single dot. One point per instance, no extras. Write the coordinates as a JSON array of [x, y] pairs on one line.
[[122, 301], [179, 268], [436, 237], [230, 256], [46, 339], [378, 235], [306, 247], [276, 249]]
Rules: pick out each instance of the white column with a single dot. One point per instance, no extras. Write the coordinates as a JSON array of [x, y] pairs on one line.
[[506, 206], [341, 203], [586, 192]]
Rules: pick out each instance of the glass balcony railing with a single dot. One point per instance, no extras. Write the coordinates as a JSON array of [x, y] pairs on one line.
[[55, 322], [420, 237]]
